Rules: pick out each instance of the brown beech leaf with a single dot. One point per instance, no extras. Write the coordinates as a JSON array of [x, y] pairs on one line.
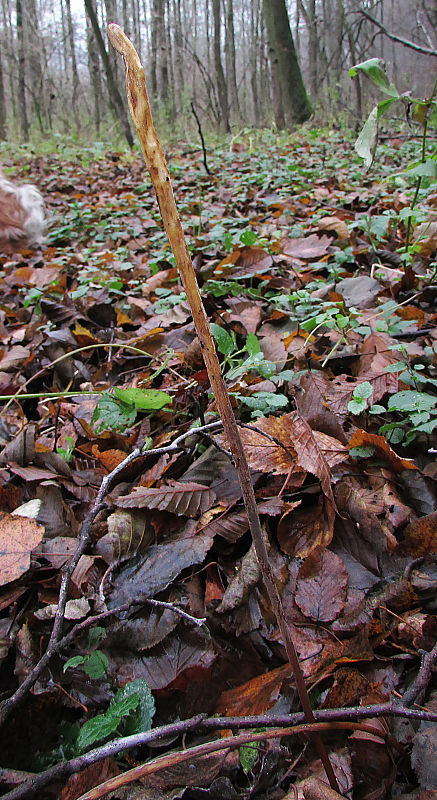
[[334, 224], [301, 531], [360, 438], [154, 572], [183, 499], [230, 526], [341, 389], [244, 262], [321, 588], [18, 537], [255, 696], [376, 354], [92, 775], [308, 247], [420, 537], [182, 658]]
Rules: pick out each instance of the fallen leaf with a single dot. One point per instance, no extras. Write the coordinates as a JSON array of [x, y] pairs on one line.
[[420, 537], [254, 697], [183, 499], [19, 536], [321, 588]]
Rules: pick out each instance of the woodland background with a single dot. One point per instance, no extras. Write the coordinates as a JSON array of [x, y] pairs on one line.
[[55, 78]]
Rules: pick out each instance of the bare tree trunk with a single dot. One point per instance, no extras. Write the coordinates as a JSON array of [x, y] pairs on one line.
[[74, 72], [220, 76], [94, 70], [3, 135], [230, 60], [22, 103], [115, 98], [286, 74]]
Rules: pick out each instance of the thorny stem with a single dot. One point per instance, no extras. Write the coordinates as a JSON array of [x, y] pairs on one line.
[[155, 159]]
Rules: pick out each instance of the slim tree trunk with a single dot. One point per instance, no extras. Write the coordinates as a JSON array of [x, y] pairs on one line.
[[220, 75], [22, 102], [230, 59], [94, 70], [115, 98], [74, 72], [286, 74], [3, 135]]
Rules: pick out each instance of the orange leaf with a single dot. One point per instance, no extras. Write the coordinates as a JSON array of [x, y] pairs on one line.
[[255, 696], [361, 438], [420, 537]]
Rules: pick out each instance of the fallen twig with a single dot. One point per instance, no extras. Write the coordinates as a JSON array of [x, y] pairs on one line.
[[200, 724]]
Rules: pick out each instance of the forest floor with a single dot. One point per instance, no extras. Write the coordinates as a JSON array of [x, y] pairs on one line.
[[319, 282]]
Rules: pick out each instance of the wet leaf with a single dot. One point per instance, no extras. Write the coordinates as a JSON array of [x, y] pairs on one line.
[[183, 499]]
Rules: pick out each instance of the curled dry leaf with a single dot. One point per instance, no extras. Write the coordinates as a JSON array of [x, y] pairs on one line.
[[322, 583], [18, 537], [363, 439]]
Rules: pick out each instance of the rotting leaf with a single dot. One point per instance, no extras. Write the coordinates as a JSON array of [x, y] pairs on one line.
[[248, 574], [300, 531], [420, 537], [321, 588], [255, 696], [151, 574], [19, 536]]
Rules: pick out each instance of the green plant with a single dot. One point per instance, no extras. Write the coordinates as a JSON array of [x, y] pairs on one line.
[[360, 395], [67, 452], [118, 409], [130, 711], [416, 413], [94, 663], [423, 169]]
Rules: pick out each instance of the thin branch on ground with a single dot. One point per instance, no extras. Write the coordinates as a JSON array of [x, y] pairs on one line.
[[416, 692], [200, 724]]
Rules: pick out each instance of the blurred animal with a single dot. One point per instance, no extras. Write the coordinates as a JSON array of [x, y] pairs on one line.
[[21, 216]]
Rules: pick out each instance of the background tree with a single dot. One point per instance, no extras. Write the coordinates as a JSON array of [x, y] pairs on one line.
[[291, 100]]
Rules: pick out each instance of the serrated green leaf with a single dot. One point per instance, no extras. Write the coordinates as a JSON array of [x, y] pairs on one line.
[[121, 707], [96, 664], [363, 391], [356, 406], [361, 452], [409, 400], [95, 635], [96, 729], [141, 719], [143, 399]]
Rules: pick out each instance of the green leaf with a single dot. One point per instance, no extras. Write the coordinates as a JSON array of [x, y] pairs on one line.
[[141, 719], [112, 415], [356, 406], [409, 400], [365, 145], [248, 238], [96, 664], [93, 730], [252, 344], [264, 401], [361, 452], [143, 399], [248, 755], [95, 635], [73, 662], [374, 70], [225, 342], [121, 707], [363, 391]]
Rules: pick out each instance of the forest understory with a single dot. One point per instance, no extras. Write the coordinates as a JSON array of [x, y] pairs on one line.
[[117, 487]]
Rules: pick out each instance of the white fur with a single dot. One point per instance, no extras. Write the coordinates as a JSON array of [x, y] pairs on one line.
[[32, 204]]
